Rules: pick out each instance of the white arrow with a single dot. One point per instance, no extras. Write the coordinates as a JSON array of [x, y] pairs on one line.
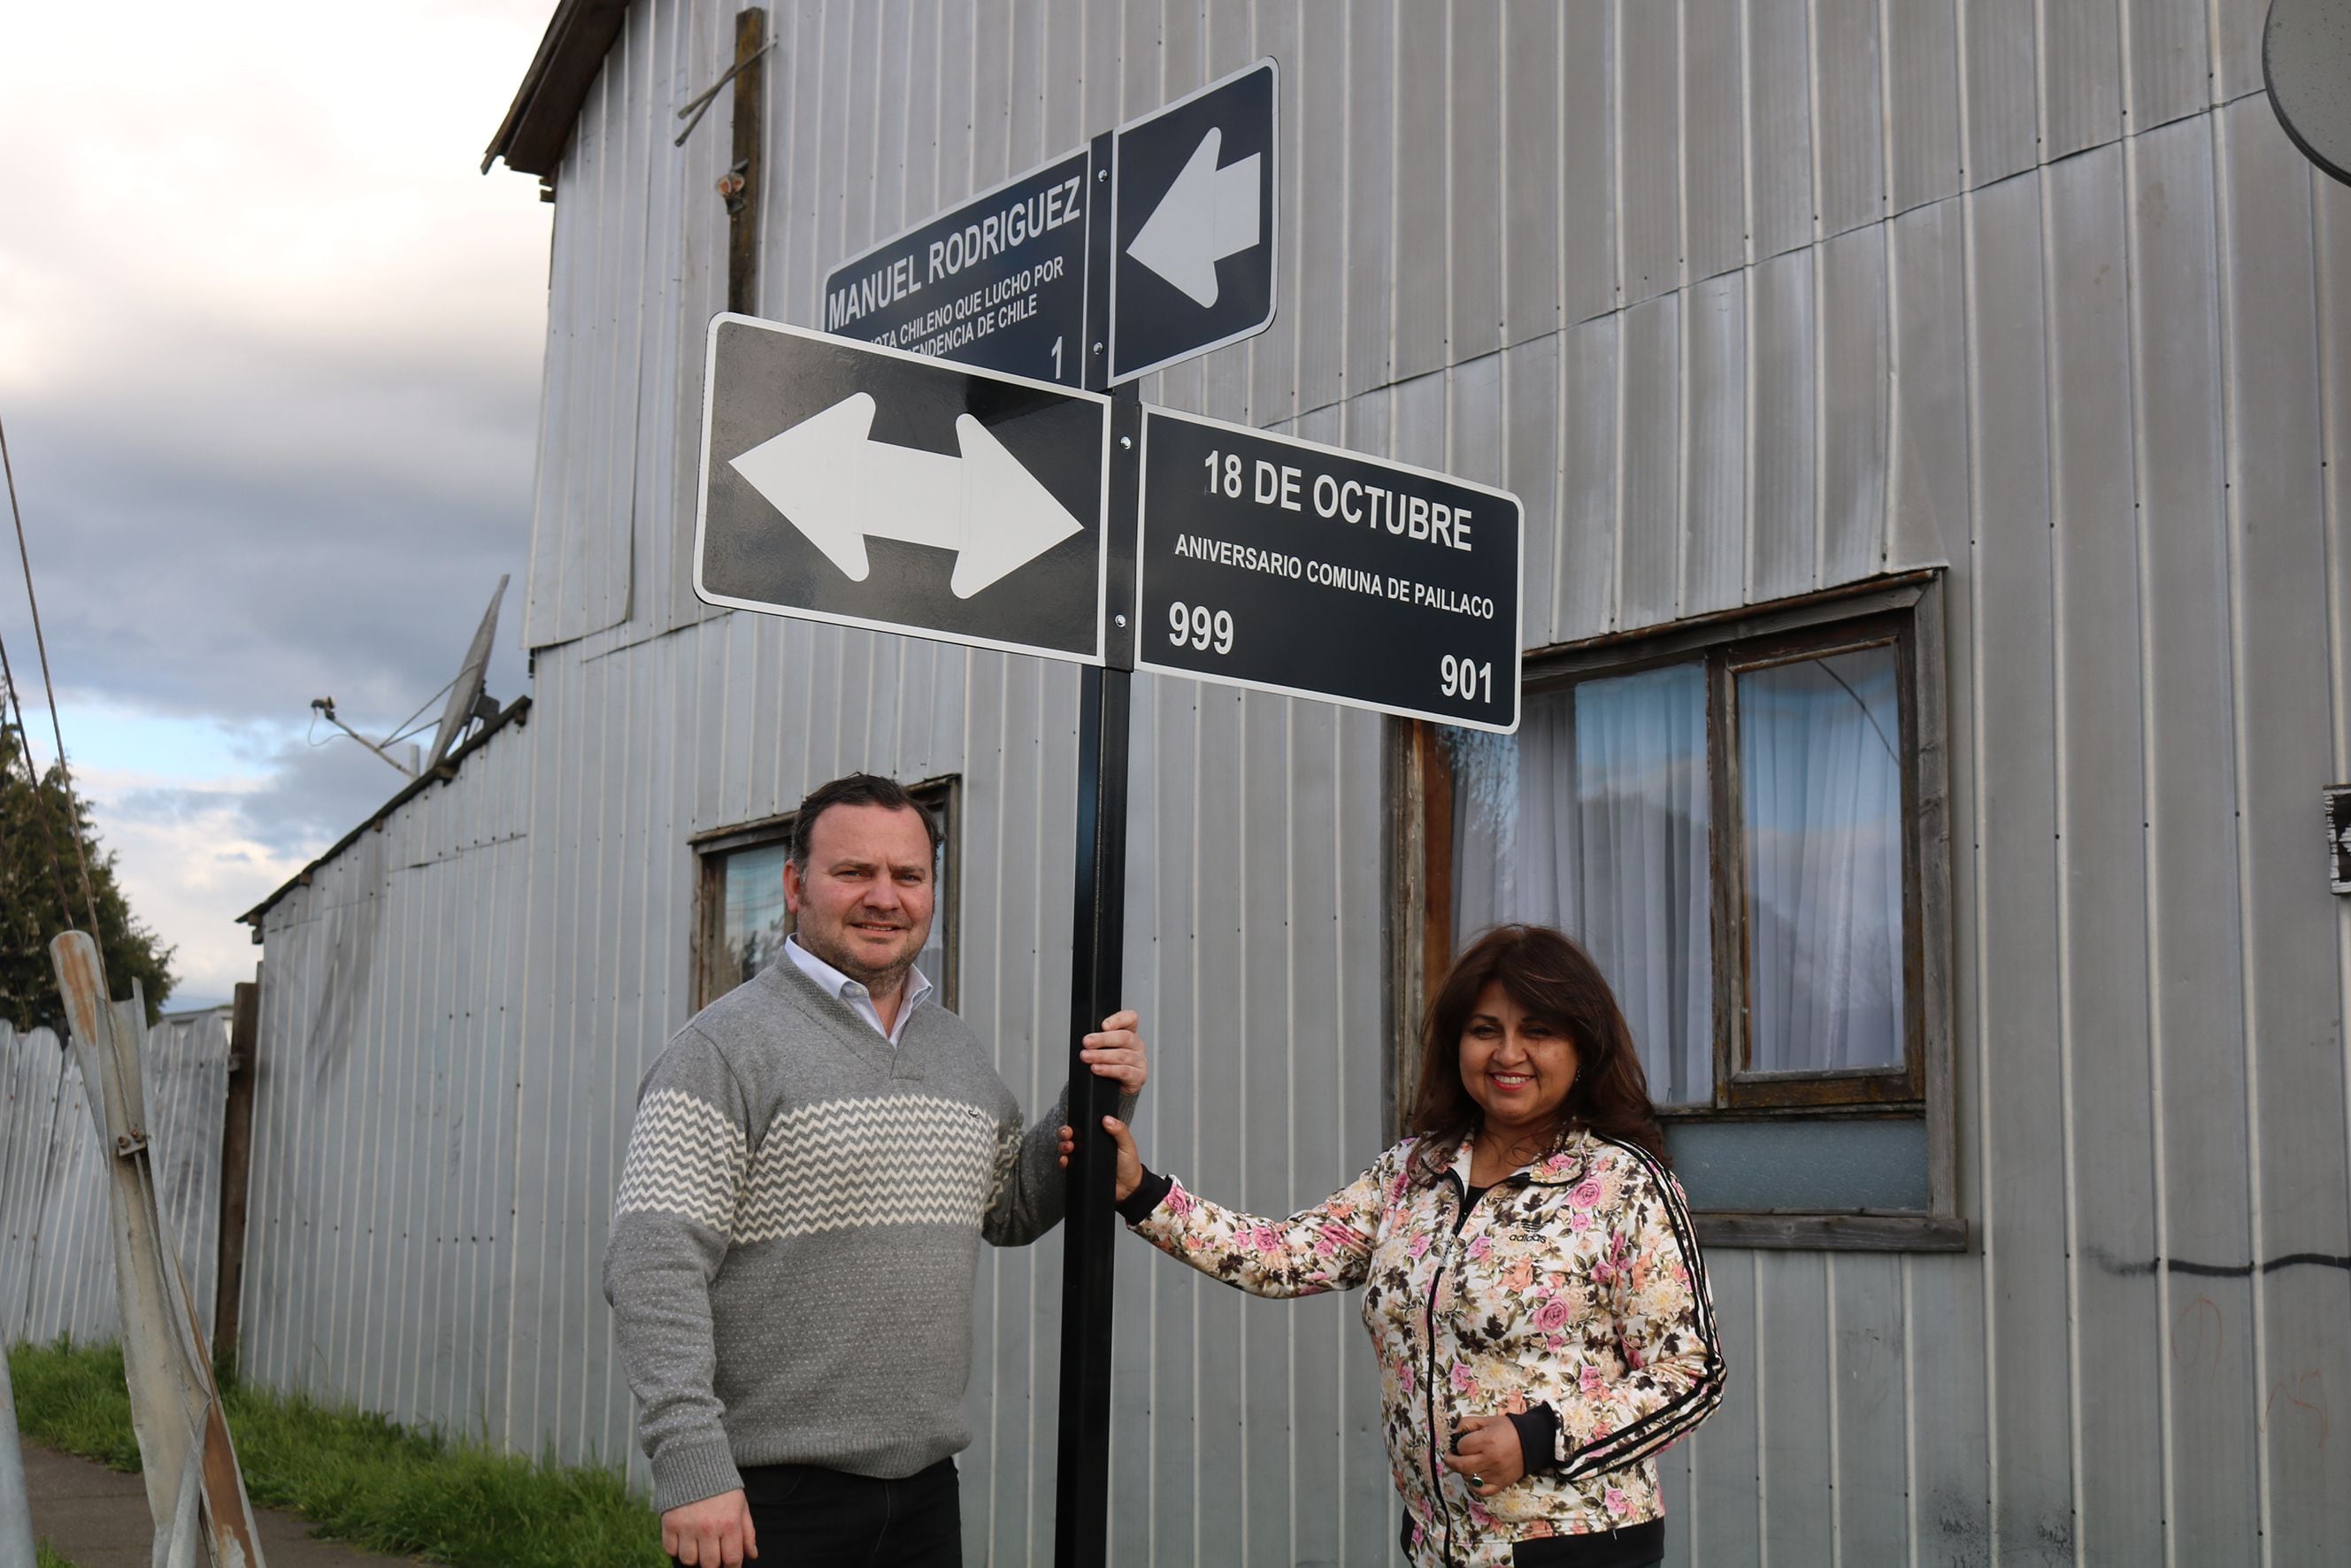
[[839, 488], [1207, 214]]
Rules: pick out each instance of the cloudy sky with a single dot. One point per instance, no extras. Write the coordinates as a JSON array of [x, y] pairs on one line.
[[269, 351]]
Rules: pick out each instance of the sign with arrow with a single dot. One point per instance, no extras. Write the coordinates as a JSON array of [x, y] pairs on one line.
[[872, 487], [1193, 189], [1150, 244]]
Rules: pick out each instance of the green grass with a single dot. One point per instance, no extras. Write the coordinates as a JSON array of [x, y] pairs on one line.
[[355, 1476], [44, 1558]]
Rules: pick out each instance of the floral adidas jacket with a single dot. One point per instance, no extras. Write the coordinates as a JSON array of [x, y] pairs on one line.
[[1575, 1283]]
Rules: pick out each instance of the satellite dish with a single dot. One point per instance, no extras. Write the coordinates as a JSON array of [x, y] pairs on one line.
[[2306, 61], [466, 696]]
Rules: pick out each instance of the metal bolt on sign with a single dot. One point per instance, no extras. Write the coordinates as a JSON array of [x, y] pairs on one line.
[[194, 1490]]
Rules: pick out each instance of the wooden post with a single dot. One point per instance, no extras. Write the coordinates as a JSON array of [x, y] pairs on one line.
[[237, 1163], [741, 186], [15, 1507], [193, 1488]]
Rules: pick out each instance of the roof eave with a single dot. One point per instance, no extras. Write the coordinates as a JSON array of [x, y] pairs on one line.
[[546, 107]]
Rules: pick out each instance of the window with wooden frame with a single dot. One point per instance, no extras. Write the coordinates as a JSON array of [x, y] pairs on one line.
[[740, 921], [1742, 819]]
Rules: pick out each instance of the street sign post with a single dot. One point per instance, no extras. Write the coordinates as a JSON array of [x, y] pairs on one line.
[[999, 282], [1287, 566], [1193, 188], [873, 487]]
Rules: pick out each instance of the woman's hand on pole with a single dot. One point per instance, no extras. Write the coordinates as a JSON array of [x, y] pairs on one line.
[[1130, 1164], [1486, 1453]]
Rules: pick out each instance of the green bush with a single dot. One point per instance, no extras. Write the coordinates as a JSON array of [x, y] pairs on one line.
[[357, 1476]]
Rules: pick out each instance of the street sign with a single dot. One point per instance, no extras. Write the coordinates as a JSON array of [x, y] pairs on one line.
[[872, 487], [1287, 566], [2338, 837], [1193, 188], [999, 282]]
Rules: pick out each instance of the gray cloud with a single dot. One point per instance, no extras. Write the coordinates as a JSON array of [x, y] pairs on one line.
[[185, 572], [311, 795]]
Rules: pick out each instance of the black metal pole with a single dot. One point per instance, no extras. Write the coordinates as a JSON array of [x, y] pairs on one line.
[[1082, 1500], [1082, 1511]]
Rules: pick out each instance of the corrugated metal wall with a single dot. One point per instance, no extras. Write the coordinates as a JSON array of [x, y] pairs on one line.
[[380, 1221], [1743, 297], [57, 1262]]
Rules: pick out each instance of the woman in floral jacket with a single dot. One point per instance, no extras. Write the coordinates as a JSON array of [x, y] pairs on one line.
[[1530, 1279]]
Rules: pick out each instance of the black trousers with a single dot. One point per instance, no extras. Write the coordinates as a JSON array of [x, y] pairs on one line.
[[1639, 1545], [810, 1517]]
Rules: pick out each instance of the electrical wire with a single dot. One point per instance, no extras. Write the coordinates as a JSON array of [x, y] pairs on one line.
[[40, 645], [33, 778]]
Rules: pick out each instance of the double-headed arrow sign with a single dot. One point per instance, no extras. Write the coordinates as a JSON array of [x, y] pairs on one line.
[[838, 488], [873, 487]]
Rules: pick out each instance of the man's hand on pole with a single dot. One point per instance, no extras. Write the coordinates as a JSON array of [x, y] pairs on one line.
[[713, 1534], [1117, 1053]]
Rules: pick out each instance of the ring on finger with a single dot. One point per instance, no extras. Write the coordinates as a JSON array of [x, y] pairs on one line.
[[1477, 1480]]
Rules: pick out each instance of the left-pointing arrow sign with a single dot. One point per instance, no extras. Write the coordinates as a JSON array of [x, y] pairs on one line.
[[839, 486], [1207, 214]]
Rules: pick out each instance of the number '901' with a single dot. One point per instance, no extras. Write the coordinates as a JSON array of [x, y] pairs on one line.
[[1467, 679]]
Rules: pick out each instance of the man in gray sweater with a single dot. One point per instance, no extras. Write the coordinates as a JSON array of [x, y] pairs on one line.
[[816, 1159]]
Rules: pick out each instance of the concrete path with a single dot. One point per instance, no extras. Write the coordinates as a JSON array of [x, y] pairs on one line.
[[97, 1518]]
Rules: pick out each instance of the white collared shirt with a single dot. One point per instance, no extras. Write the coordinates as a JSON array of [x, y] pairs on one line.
[[860, 1001]]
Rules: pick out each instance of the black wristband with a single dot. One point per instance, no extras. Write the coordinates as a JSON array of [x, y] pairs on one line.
[[1147, 1197], [1538, 1438]]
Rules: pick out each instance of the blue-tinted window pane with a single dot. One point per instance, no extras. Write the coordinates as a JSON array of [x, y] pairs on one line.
[[756, 917], [1820, 782], [1796, 1166]]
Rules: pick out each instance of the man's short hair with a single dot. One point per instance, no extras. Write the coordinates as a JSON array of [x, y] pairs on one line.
[[857, 790]]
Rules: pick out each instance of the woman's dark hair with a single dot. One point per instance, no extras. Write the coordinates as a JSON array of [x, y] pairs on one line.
[[1556, 982]]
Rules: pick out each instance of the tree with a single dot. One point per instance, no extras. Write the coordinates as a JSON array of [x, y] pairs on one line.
[[37, 864]]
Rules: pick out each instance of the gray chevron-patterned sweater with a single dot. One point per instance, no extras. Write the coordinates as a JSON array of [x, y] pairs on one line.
[[798, 1230]]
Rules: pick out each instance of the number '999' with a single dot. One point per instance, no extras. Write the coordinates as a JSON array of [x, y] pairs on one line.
[[1200, 628]]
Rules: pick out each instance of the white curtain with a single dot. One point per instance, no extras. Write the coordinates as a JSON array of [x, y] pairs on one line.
[[1593, 819], [1820, 747]]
